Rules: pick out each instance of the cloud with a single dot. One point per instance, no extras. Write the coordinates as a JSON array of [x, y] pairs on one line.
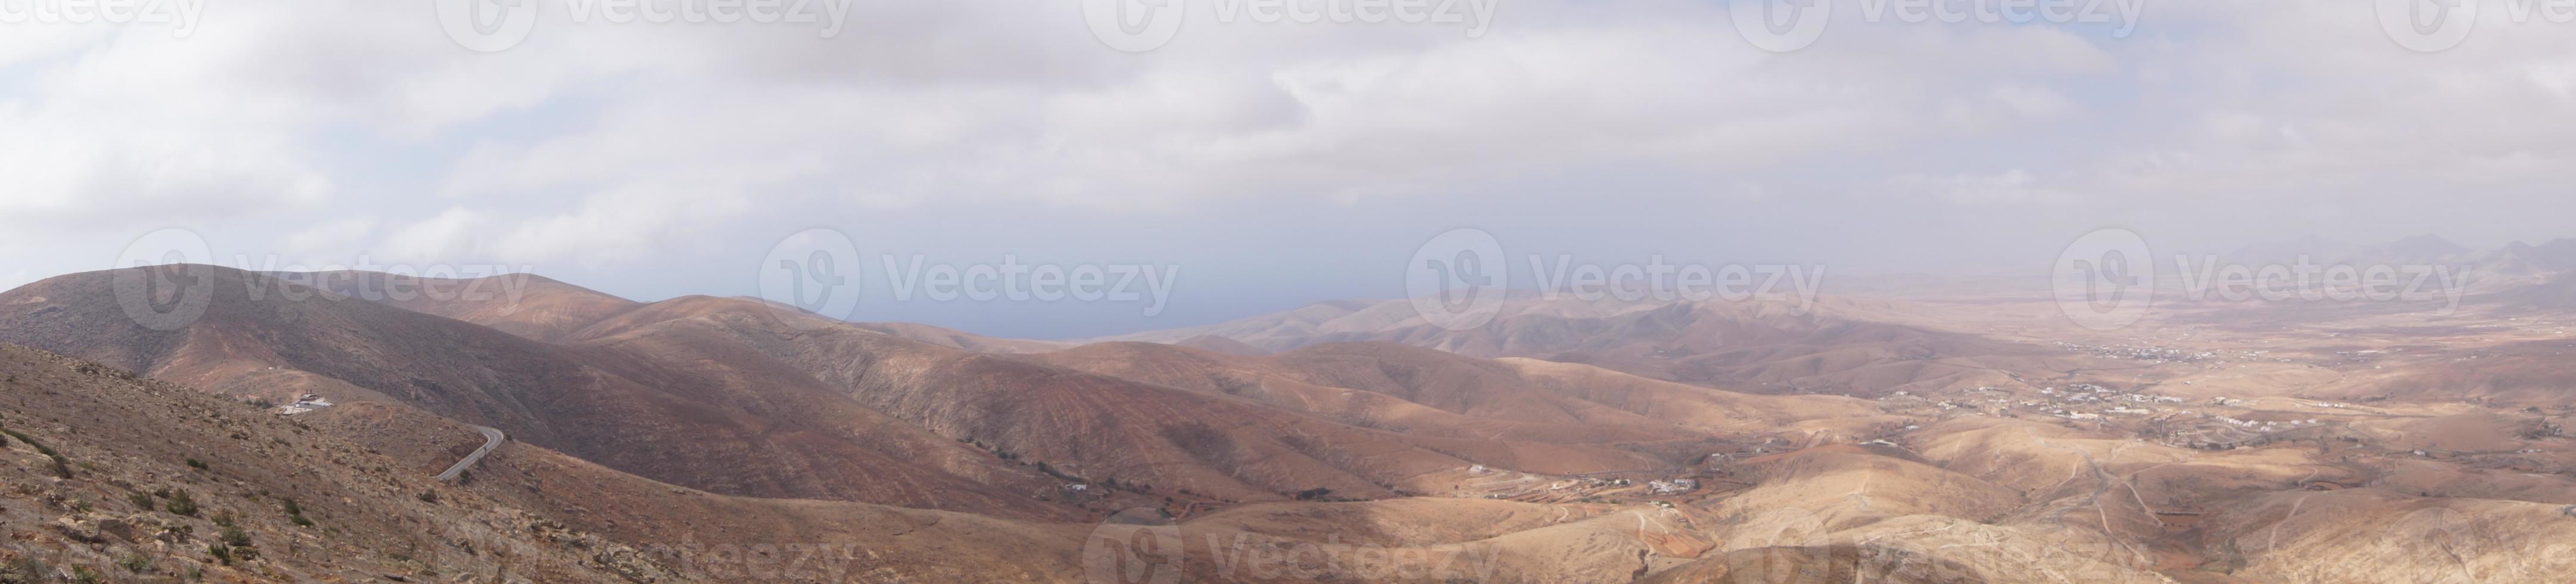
[[625, 148]]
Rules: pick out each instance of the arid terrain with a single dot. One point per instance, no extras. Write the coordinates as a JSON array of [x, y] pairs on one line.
[[1907, 430]]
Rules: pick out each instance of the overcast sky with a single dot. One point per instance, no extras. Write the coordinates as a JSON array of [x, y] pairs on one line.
[[1276, 163]]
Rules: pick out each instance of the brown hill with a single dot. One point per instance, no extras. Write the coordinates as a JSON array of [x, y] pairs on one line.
[[154, 482], [1088, 425], [1220, 345], [730, 429], [526, 305]]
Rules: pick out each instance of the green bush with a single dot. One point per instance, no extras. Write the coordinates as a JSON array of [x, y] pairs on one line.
[[234, 536], [136, 563], [196, 464], [143, 500], [183, 504], [295, 513], [27, 569]]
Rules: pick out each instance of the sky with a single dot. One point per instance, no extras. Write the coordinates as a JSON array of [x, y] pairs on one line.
[[1262, 163]]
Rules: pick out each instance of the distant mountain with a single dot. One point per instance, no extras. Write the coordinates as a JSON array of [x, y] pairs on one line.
[[1831, 346], [2557, 255], [2425, 246], [2420, 249], [1221, 345]]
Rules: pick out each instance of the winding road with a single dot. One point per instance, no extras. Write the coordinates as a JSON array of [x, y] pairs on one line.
[[491, 439]]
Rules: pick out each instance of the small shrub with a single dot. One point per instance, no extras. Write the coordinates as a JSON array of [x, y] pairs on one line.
[[136, 563], [429, 496], [84, 575], [196, 464], [27, 569], [143, 500], [221, 553], [234, 536], [182, 504]]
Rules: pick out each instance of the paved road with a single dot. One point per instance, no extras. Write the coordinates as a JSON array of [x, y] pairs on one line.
[[491, 439]]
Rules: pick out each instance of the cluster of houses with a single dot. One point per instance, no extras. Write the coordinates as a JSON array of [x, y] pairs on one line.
[[303, 403], [2147, 353], [2081, 401]]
